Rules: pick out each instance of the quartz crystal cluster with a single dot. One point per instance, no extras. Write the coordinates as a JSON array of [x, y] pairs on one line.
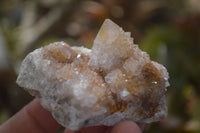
[[113, 81]]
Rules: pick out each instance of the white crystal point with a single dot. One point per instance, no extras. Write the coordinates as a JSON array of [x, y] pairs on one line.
[[110, 46], [108, 32], [114, 81]]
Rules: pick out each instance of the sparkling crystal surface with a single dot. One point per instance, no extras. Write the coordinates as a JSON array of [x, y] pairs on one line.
[[112, 82]]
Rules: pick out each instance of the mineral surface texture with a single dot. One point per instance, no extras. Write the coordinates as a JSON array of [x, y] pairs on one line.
[[114, 81]]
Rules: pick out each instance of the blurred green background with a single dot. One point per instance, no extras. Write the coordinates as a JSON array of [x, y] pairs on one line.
[[169, 30]]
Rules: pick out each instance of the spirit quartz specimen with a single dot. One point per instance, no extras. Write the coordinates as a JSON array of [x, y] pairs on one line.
[[114, 81]]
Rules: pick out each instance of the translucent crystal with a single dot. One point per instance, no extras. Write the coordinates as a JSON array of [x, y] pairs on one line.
[[112, 82]]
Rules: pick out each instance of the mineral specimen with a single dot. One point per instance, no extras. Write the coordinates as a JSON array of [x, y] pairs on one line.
[[114, 81]]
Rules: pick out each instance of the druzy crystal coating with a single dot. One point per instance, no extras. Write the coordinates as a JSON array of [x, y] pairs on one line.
[[113, 81]]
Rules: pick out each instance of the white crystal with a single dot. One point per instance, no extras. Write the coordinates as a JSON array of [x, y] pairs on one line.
[[78, 56], [124, 93]]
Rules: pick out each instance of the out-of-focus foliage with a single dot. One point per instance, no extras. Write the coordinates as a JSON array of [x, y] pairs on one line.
[[169, 30], [178, 47]]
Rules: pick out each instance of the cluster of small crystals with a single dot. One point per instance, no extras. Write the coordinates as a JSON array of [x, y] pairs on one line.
[[81, 86], [77, 78], [128, 72], [114, 74]]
